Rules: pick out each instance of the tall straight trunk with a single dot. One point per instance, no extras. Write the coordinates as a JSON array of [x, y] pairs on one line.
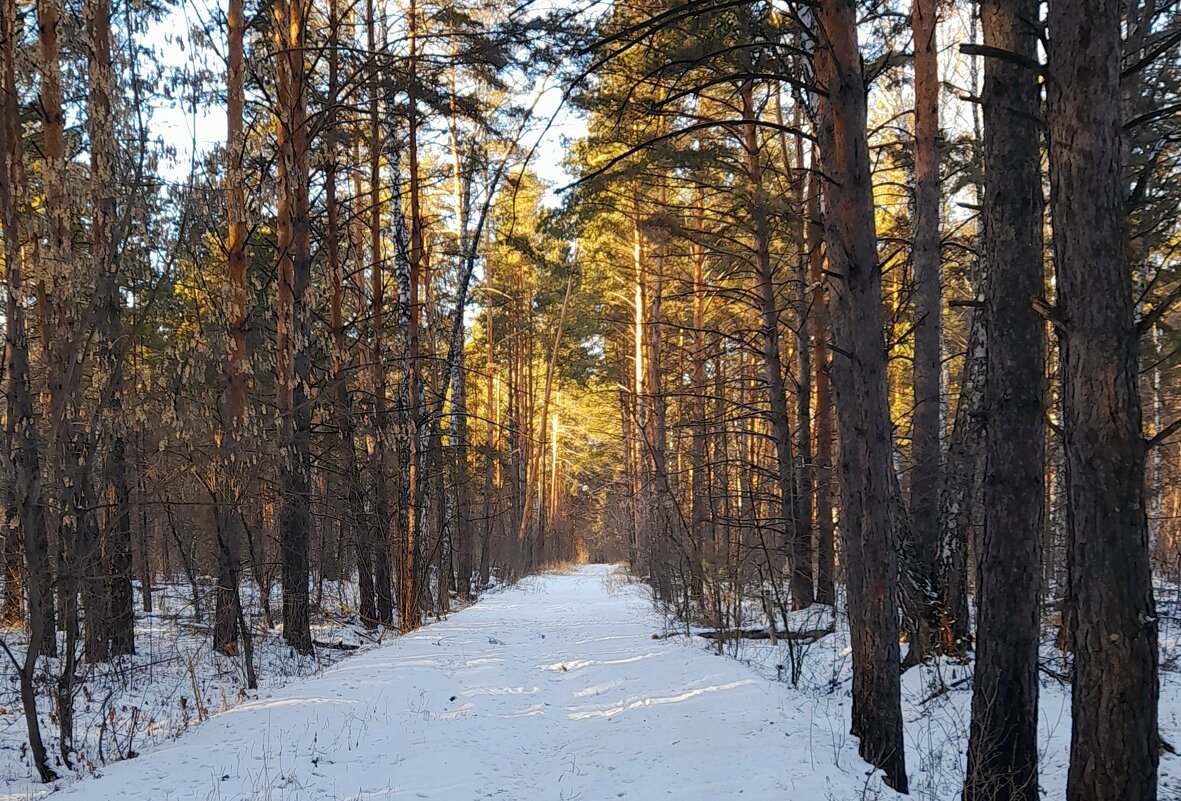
[[381, 519], [928, 302], [26, 531], [641, 485], [632, 482], [233, 409], [363, 545], [859, 378], [700, 391], [799, 543], [143, 536], [77, 546], [535, 466], [462, 537], [805, 540], [820, 327], [490, 455], [292, 327], [513, 417], [116, 540], [340, 471], [661, 494], [409, 595], [1114, 747], [1002, 748]]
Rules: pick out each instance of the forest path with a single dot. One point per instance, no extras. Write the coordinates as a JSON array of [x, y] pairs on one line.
[[554, 689]]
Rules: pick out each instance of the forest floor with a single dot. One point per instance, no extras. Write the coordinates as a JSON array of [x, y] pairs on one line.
[[570, 686]]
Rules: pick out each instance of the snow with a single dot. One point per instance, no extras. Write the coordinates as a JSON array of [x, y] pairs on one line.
[[553, 689], [135, 704], [937, 708], [572, 686]]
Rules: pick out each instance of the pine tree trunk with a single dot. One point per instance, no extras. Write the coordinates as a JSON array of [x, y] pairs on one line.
[[700, 391], [657, 427], [640, 474], [491, 410], [463, 537], [116, 535], [364, 543], [819, 324], [20, 432], [928, 300], [799, 547], [292, 329], [859, 378], [233, 410], [77, 538], [805, 476], [1114, 742], [1002, 749], [381, 517]]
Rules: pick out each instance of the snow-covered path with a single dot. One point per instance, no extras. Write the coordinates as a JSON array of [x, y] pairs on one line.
[[551, 690]]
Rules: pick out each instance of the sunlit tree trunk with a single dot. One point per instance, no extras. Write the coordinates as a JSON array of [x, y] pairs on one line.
[[25, 508], [859, 378], [365, 543], [928, 300], [800, 547], [292, 328], [61, 300], [660, 495], [233, 410], [491, 412], [381, 517], [804, 541], [409, 616], [819, 324], [639, 407], [702, 539]]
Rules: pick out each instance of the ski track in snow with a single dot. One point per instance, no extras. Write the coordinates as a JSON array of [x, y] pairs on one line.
[[553, 690]]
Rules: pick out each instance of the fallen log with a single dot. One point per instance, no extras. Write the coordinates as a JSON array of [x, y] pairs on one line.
[[339, 645], [806, 635]]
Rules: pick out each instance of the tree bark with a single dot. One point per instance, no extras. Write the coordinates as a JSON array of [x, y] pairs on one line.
[[928, 300], [27, 504], [491, 412], [799, 544], [410, 323], [381, 518], [859, 378], [26, 532], [364, 543], [820, 326], [233, 410], [1112, 614], [292, 324], [1002, 748]]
